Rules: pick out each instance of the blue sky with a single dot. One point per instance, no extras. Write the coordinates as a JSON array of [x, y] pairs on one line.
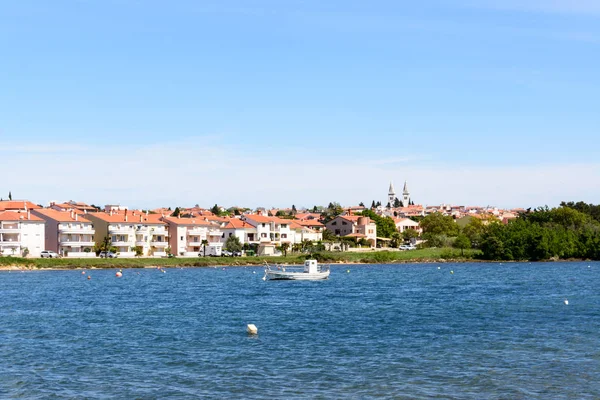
[[273, 103]]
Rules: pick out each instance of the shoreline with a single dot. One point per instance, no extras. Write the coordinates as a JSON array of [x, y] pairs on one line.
[[84, 263]]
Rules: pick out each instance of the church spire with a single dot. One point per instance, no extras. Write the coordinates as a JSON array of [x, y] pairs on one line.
[[391, 191], [405, 190]]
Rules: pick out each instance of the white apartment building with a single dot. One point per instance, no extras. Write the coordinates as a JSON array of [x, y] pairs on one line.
[[67, 233], [130, 229], [21, 233], [188, 235]]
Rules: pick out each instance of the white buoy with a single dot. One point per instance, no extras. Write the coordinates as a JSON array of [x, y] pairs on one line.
[[439, 267], [119, 274], [253, 272], [451, 272], [252, 329], [566, 302]]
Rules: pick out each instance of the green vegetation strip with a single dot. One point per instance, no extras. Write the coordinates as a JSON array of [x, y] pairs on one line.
[[374, 257]]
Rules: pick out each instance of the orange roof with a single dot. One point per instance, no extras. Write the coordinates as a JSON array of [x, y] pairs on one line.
[[131, 217], [15, 205], [61, 216], [235, 223], [259, 218], [198, 221], [18, 216], [310, 222]]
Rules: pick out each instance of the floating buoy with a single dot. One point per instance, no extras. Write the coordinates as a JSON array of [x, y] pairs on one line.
[[89, 277], [252, 329], [253, 272], [347, 271], [566, 302], [82, 272], [439, 267], [451, 272], [119, 274]]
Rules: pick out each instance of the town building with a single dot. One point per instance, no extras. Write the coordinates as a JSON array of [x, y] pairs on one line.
[[195, 236], [129, 230], [21, 234], [67, 233], [354, 226]]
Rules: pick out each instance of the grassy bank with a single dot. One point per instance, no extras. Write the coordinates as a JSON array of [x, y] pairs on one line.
[[374, 257]]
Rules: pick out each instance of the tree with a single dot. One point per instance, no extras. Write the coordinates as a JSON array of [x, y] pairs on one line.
[[315, 209], [284, 248], [462, 242], [397, 203], [176, 212], [204, 243], [439, 224], [395, 242], [473, 230], [294, 211], [215, 210], [410, 234], [361, 204], [373, 205], [9, 195], [104, 245], [139, 250], [233, 244]]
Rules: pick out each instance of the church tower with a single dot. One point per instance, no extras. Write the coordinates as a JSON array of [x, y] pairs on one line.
[[391, 195], [405, 196]]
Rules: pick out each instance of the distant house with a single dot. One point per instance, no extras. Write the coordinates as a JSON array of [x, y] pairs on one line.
[[354, 226], [402, 224], [187, 234], [245, 232], [129, 229], [67, 233], [17, 205], [19, 230], [271, 232]]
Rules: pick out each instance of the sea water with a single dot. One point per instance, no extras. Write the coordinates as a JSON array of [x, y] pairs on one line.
[[414, 331]]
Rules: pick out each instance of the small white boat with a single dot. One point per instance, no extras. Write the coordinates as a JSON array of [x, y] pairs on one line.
[[310, 271]]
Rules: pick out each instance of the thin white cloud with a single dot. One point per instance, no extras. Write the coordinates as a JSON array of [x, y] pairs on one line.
[[203, 173]]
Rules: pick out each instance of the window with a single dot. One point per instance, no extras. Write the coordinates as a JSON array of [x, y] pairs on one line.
[[263, 235], [181, 238], [263, 225], [344, 223], [284, 235], [284, 225], [230, 234], [337, 231], [334, 223]]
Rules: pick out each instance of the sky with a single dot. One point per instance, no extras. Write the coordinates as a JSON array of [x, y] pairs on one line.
[[273, 103]]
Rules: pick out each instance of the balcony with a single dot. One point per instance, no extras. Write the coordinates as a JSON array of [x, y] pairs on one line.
[[76, 243], [14, 243], [121, 244], [121, 230], [76, 231], [158, 231], [159, 244], [199, 232], [10, 230], [140, 242]]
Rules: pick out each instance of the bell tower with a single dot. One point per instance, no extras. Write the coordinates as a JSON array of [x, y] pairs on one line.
[[405, 196], [391, 195]]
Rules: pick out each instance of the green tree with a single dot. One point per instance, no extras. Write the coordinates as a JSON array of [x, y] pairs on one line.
[[439, 224], [176, 212], [410, 234], [233, 244], [462, 242], [104, 245], [215, 210], [284, 248], [397, 203], [204, 243], [294, 211], [396, 240], [361, 204], [474, 230], [10, 196], [139, 250]]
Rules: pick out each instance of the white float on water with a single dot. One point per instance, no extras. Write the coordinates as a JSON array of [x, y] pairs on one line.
[[119, 274], [566, 302], [252, 329]]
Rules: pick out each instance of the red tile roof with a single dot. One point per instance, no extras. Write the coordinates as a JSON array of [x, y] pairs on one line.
[[18, 216], [16, 205], [61, 216], [130, 217]]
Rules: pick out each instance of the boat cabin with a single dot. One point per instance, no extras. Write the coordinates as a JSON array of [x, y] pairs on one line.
[[310, 266]]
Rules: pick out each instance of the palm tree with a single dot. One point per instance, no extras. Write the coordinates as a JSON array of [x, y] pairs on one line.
[[204, 243]]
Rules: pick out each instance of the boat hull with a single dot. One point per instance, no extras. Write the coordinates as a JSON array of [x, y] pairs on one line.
[[296, 276]]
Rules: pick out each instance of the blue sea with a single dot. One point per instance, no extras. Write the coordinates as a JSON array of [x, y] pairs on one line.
[[410, 331]]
